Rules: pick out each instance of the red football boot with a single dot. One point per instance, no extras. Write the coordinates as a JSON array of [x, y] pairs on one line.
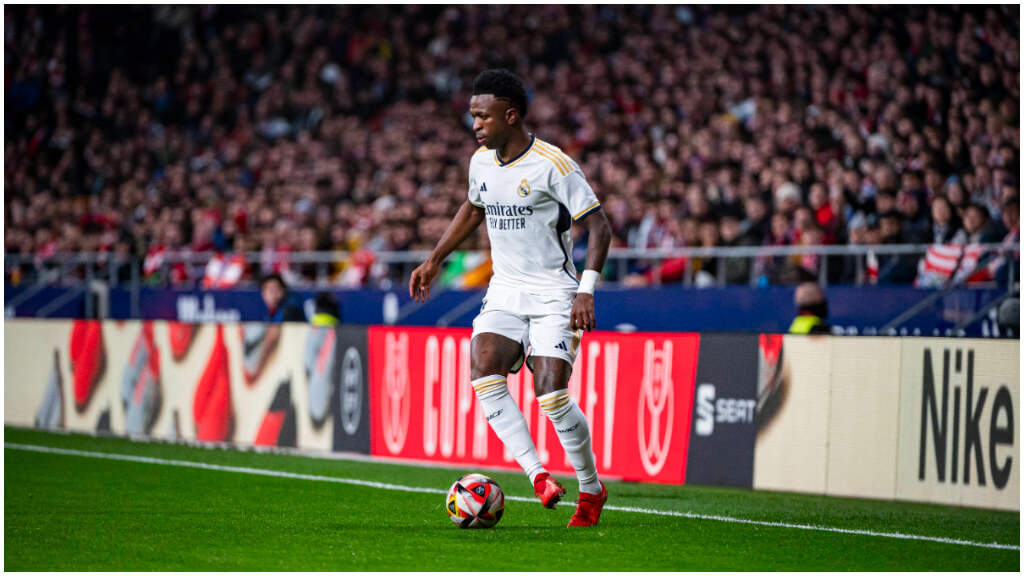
[[588, 508], [549, 490]]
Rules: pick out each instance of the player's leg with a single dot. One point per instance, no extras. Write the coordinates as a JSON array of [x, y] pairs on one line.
[[493, 356], [551, 382], [554, 348], [551, 379]]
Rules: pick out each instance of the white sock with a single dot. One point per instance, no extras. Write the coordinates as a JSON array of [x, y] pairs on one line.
[[574, 434], [507, 421]]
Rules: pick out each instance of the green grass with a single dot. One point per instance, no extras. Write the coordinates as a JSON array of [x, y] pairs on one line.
[[64, 512]]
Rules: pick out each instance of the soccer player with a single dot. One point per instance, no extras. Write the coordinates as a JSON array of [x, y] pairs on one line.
[[529, 193]]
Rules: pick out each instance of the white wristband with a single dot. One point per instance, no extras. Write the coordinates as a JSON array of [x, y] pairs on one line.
[[588, 281]]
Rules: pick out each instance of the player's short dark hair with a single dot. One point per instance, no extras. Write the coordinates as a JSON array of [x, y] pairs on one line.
[[502, 84]]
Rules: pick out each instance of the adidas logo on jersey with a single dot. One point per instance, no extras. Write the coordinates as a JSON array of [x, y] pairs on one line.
[[562, 346], [483, 186]]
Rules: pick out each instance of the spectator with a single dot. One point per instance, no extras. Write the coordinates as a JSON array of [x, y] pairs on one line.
[[812, 310], [327, 310], [1009, 261], [915, 219], [977, 228], [277, 299], [894, 268], [706, 268], [945, 224], [737, 270]]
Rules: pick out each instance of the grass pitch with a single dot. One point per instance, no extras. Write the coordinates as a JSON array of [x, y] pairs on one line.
[[174, 507]]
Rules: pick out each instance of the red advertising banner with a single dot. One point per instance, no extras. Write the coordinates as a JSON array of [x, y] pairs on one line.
[[635, 389]]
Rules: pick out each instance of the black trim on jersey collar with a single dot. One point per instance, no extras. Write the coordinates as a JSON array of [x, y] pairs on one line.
[[525, 151]]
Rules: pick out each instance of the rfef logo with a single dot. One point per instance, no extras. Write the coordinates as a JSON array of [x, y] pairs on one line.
[[655, 414], [351, 397], [350, 402]]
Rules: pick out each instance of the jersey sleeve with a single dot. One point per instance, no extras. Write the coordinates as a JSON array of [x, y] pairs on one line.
[[574, 192], [474, 187]]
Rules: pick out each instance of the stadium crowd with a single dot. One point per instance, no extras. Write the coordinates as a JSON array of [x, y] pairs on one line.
[[144, 130]]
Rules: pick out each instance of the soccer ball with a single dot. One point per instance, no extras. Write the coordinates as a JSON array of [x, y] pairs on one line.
[[475, 501]]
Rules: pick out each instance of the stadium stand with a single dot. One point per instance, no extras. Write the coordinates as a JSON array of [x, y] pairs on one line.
[[143, 130]]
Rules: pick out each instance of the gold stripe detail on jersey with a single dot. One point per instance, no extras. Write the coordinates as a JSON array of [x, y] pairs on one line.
[[588, 209], [565, 160], [549, 156], [481, 149], [577, 335], [563, 169]]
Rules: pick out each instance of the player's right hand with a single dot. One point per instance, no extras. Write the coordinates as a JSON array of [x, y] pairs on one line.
[[419, 283]]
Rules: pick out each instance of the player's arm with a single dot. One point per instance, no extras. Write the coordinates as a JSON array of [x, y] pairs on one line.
[[600, 238], [466, 220]]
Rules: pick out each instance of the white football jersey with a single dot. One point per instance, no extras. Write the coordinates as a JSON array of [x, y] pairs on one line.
[[531, 202]]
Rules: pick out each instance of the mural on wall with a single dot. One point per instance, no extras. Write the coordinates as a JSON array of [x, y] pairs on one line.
[[140, 387], [51, 411], [88, 360], [244, 384], [211, 405]]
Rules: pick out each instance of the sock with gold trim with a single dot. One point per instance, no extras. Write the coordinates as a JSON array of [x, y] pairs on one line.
[[507, 421], [574, 434]]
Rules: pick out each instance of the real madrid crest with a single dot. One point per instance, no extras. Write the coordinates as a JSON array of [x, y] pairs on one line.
[[524, 188]]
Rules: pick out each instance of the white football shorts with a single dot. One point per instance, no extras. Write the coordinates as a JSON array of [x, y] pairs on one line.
[[538, 321]]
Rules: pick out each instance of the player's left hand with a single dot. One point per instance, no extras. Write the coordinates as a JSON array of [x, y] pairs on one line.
[[582, 315]]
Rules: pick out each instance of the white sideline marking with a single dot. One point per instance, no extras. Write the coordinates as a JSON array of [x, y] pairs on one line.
[[400, 488]]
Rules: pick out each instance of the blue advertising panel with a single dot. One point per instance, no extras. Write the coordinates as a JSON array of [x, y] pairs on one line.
[[854, 310]]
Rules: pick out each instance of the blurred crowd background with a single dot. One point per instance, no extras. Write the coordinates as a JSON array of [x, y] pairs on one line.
[[140, 131]]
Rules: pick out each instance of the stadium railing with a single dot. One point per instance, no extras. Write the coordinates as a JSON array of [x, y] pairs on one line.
[[71, 269]]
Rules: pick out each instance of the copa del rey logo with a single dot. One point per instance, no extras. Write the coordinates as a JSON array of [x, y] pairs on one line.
[[655, 410], [395, 407]]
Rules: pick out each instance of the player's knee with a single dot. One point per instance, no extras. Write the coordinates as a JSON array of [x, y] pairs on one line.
[[544, 383], [491, 358], [485, 362], [486, 368]]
